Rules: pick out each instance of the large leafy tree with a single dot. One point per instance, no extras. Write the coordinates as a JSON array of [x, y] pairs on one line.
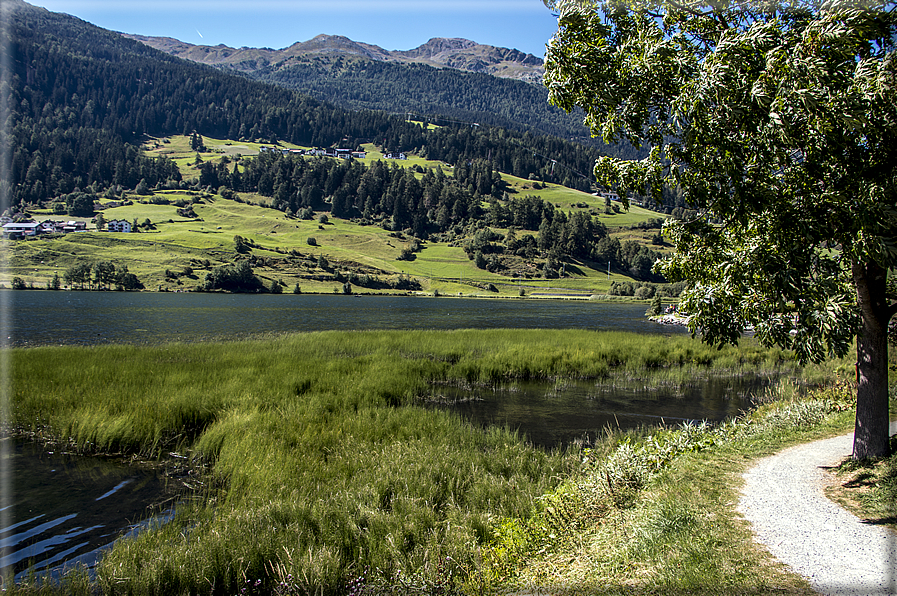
[[778, 122]]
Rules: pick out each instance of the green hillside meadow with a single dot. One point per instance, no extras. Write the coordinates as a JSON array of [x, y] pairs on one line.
[[177, 252]]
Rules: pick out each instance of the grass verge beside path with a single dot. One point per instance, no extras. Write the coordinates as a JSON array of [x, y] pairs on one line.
[[656, 515], [868, 489]]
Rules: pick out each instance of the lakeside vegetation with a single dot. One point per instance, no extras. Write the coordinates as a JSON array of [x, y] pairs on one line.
[[325, 464]]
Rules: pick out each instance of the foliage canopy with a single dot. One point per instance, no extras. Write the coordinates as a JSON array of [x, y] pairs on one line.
[[778, 122]]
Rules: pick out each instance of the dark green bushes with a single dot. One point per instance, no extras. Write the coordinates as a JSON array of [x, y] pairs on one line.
[[232, 278]]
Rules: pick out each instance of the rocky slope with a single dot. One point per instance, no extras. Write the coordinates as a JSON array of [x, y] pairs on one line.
[[460, 54]]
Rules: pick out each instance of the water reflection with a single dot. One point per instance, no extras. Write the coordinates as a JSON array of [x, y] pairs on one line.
[[69, 508], [552, 414]]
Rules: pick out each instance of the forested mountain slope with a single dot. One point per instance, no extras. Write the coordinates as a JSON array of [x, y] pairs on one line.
[[453, 79], [82, 97]]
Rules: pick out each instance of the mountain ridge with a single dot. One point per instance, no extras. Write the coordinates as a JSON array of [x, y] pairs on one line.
[[453, 79], [441, 52]]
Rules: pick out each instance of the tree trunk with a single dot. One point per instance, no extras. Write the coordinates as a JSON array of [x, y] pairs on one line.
[[870, 439]]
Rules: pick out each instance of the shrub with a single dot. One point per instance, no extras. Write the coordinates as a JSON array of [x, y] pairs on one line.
[[240, 244], [644, 292], [234, 278], [311, 241]]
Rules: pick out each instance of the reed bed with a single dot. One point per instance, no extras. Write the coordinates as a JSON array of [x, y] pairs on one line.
[[324, 461]]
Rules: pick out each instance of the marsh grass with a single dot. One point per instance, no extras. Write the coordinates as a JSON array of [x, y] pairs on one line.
[[324, 460]]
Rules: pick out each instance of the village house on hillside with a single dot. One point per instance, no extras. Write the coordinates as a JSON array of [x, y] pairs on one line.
[[339, 153], [21, 229], [118, 225], [73, 226], [24, 229]]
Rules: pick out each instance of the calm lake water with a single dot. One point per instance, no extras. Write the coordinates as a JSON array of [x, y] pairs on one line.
[[557, 414], [68, 509], [39, 317]]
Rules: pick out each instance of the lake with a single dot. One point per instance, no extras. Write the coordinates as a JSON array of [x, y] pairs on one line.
[[40, 317]]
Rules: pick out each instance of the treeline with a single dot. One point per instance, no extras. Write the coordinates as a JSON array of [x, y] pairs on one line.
[[81, 98], [562, 237], [382, 191], [441, 94], [59, 163], [99, 275], [425, 202]]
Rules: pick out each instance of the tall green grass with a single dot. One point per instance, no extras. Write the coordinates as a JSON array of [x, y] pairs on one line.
[[324, 462], [653, 511]]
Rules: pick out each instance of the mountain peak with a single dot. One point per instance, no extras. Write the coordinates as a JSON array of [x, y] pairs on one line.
[[336, 44], [441, 52], [438, 45]]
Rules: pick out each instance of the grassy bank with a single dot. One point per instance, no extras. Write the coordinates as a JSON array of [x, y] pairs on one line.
[[654, 513], [323, 463]]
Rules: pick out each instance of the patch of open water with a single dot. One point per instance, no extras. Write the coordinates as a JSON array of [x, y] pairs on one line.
[[67, 509], [553, 414]]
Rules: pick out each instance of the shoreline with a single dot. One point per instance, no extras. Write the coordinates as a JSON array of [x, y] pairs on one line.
[[421, 294], [670, 319]]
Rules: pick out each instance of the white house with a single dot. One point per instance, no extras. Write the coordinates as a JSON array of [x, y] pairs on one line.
[[118, 225], [48, 226], [21, 229], [74, 226]]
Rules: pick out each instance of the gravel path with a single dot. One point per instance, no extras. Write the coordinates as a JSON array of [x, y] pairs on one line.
[[782, 498]]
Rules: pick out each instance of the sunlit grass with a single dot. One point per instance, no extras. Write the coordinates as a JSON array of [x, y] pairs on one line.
[[654, 511], [327, 461], [175, 242]]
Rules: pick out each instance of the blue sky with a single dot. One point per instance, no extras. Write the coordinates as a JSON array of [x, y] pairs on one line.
[[391, 24]]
